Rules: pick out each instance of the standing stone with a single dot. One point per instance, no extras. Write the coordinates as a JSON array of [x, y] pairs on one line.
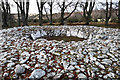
[[0, 17]]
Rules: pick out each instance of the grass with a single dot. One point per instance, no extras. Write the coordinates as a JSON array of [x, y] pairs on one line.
[[97, 24], [110, 25]]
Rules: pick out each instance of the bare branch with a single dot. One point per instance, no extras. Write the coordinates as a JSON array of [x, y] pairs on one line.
[[46, 13], [71, 12]]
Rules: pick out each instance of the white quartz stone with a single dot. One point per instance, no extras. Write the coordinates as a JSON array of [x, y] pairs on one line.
[[73, 63], [26, 66], [111, 75], [57, 76], [58, 54], [24, 60], [37, 74], [81, 75], [10, 64], [77, 67], [6, 74], [25, 54], [70, 75], [86, 59], [107, 61], [65, 65], [37, 65], [82, 69], [111, 55], [80, 56], [80, 34], [99, 64], [71, 68]]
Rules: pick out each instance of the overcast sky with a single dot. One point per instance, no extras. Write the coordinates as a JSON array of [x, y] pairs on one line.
[[33, 7]]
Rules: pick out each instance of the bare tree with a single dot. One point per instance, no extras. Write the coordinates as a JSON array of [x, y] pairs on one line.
[[50, 3], [63, 7], [40, 5], [87, 6], [6, 13], [117, 9], [108, 11], [51, 11], [24, 9], [0, 17]]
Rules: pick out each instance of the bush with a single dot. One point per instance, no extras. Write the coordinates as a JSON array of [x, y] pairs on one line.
[[45, 21], [55, 20], [35, 20], [58, 20], [72, 20], [114, 20], [30, 20], [82, 19]]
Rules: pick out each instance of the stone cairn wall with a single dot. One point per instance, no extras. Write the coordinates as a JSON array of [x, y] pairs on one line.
[[95, 57], [60, 31]]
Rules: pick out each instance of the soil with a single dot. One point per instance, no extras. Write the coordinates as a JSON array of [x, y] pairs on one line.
[[65, 38]]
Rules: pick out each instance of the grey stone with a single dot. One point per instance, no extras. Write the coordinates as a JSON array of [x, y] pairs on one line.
[[37, 74], [19, 69], [107, 61], [52, 74]]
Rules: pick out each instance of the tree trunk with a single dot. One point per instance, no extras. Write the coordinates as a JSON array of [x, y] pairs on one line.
[[51, 21], [27, 10], [87, 13], [62, 13], [108, 12], [9, 16], [106, 22], [41, 15], [0, 19], [63, 8], [87, 20], [23, 17], [40, 9], [4, 15], [62, 18], [41, 19], [24, 12], [18, 16], [119, 12]]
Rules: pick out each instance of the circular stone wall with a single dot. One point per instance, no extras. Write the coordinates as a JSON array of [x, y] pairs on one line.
[[60, 33]]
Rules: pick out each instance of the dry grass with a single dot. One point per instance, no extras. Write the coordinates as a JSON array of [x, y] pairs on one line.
[[98, 24]]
